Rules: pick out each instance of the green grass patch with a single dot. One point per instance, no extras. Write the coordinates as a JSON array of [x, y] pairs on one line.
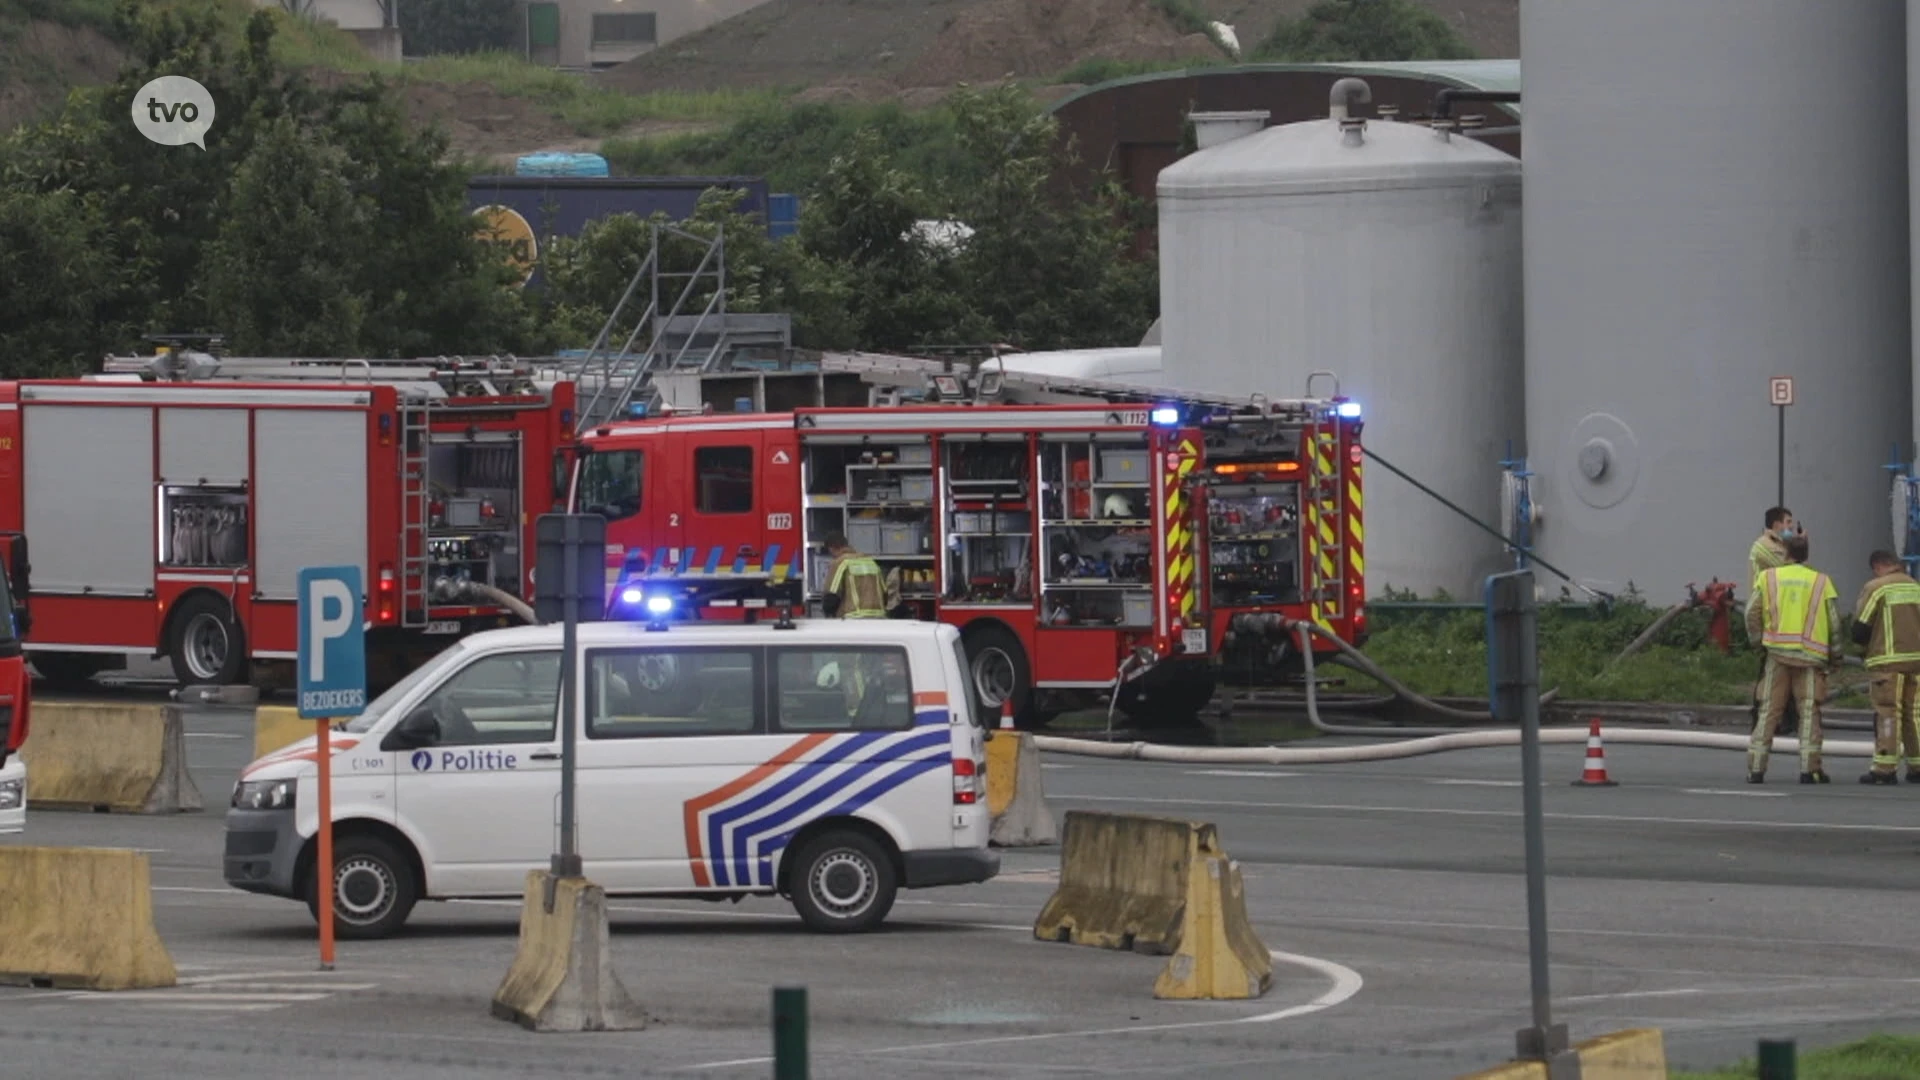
[[1880, 1057], [1443, 653], [97, 14]]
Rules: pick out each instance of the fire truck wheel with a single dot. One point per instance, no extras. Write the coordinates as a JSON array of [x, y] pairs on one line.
[[998, 669], [204, 643]]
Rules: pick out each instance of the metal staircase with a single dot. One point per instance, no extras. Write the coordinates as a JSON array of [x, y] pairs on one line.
[[415, 492]]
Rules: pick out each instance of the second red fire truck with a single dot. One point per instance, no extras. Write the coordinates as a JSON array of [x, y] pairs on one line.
[[1117, 544], [174, 500]]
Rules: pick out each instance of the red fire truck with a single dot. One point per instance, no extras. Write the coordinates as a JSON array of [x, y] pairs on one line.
[[14, 690], [1110, 543], [175, 499]]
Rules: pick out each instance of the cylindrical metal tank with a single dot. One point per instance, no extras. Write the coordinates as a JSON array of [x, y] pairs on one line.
[[1389, 254], [1701, 218]]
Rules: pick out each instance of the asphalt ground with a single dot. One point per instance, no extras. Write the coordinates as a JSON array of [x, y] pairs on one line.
[[1390, 892]]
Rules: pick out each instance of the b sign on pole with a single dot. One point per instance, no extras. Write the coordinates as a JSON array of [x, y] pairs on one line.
[[333, 682]]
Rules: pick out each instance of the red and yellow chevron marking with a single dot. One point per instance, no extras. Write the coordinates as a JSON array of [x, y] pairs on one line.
[[1179, 524], [1356, 535], [1326, 527]]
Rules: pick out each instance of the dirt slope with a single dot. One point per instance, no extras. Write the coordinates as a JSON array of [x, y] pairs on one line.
[[39, 60], [866, 48], [1492, 27]]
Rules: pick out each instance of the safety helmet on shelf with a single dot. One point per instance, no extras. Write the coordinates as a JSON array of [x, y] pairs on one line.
[[1116, 506]]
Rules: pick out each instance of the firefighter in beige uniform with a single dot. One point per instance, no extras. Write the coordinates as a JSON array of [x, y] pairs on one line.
[[1767, 552], [1887, 623], [1794, 614]]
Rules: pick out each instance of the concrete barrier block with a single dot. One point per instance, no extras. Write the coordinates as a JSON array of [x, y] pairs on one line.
[[277, 726], [1016, 798], [562, 978], [1123, 881], [109, 756], [1633, 1054], [1220, 957], [79, 919]]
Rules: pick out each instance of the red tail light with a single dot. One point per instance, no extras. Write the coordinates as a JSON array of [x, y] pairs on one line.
[[968, 784], [384, 605]]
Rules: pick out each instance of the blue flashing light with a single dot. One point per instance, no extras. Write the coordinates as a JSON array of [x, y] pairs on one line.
[[659, 605], [1165, 416], [1350, 410], [631, 595]]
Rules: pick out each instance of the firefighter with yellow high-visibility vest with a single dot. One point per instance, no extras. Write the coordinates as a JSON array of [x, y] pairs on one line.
[[1887, 624], [856, 587], [1794, 614]]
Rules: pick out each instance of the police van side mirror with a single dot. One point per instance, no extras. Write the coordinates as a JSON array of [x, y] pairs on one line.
[[422, 728]]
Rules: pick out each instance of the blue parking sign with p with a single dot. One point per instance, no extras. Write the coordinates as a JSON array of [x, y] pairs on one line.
[[333, 642]]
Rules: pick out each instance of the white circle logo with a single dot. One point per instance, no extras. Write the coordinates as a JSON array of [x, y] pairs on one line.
[[173, 110]]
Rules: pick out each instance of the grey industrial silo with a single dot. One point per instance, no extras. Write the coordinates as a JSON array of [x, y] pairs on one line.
[[1387, 253], [1716, 197]]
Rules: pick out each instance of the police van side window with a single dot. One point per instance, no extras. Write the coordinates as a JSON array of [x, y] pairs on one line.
[[723, 479], [661, 692], [845, 688], [610, 482], [506, 698]]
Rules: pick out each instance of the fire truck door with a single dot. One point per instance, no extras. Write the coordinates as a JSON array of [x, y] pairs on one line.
[[714, 520]]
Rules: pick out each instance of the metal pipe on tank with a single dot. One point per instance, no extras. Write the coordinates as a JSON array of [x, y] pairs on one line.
[[1347, 93]]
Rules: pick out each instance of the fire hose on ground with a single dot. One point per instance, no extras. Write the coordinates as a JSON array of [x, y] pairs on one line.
[[1440, 742]]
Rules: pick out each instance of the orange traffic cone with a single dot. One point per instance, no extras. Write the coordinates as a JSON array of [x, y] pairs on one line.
[[1006, 714], [1595, 774]]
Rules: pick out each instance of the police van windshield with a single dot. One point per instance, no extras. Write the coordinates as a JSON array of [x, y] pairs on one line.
[[610, 484], [378, 707]]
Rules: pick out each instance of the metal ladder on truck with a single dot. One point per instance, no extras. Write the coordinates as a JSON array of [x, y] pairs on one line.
[[416, 566]]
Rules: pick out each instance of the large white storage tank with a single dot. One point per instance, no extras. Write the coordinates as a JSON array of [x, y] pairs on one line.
[[1702, 217], [1389, 254]]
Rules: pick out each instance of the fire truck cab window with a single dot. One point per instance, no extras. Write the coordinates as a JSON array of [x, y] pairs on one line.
[[723, 479], [610, 483]]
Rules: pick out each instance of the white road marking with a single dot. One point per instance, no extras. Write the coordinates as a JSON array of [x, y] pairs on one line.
[[214, 735], [1717, 991], [1726, 791], [1687, 992], [1479, 783], [1051, 765], [191, 995], [1346, 983], [195, 889], [1426, 810], [1237, 772], [1554, 930]]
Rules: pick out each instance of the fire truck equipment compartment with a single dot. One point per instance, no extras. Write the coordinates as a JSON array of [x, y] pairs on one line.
[[902, 539], [1123, 466], [203, 447], [302, 523], [89, 498]]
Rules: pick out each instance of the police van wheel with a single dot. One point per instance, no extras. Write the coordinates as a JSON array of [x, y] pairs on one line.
[[206, 646], [373, 889], [843, 883]]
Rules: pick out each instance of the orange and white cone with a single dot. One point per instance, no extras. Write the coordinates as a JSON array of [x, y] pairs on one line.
[[1006, 714], [1595, 774]]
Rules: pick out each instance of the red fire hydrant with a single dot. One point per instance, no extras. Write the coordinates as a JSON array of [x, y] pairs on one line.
[[1718, 595]]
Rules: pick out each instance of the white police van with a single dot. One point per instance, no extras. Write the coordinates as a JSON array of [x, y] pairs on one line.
[[829, 761]]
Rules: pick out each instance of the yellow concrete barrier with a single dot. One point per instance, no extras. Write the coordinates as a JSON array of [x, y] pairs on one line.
[[79, 919], [108, 756], [277, 726], [1220, 957], [1016, 800], [1634, 1054], [1123, 881], [562, 978]]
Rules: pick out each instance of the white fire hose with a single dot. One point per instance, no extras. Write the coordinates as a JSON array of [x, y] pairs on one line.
[[1445, 740]]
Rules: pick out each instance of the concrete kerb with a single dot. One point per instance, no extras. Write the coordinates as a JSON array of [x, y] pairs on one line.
[[1634, 1054], [562, 978], [109, 756], [79, 919], [1016, 797]]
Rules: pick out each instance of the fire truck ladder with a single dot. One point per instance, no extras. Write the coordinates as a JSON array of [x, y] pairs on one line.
[[416, 565], [454, 376], [988, 382]]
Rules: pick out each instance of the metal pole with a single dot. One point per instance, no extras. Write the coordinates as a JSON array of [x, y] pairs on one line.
[[567, 863], [1780, 460], [790, 1033], [1536, 835], [323, 877], [1776, 1059]]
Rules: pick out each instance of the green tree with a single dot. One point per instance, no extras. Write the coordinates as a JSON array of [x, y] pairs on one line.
[[280, 277], [1045, 268], [57, 256], [428, 27], [1333, 31]]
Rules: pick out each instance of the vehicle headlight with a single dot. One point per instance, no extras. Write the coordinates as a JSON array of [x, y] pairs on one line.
[[264, 794], [13, 794]]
